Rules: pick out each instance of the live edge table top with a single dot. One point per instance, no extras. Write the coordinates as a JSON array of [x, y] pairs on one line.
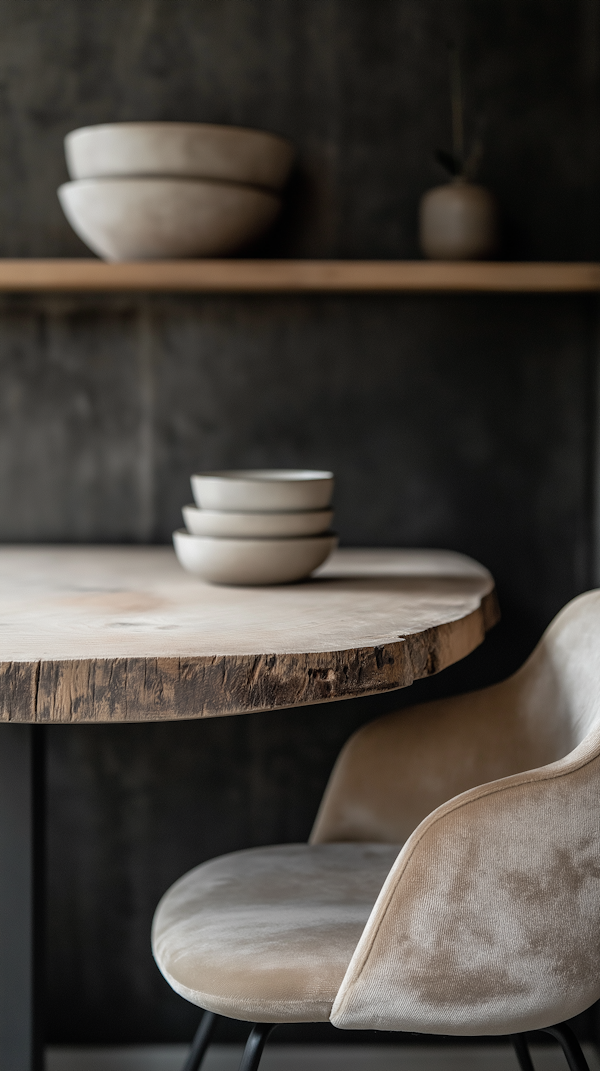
[[122, 634]]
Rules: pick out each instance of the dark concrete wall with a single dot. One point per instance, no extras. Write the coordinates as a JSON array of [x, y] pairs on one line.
[[361, 87], [464, 422]]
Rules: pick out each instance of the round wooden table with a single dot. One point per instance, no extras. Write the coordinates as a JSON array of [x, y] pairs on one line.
[[122, 634]]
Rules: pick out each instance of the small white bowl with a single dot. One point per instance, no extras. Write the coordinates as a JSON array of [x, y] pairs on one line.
[[251, 561], [212, 522], [263, 490], [187, 150], [164, 218]]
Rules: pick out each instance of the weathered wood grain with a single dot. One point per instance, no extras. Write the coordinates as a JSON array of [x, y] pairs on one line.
[[123, 634]]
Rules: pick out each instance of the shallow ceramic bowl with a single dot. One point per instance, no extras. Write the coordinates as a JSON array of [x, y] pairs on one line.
[[146, 219], [189, 150], [263, 490], [212, 522], [251, 561]]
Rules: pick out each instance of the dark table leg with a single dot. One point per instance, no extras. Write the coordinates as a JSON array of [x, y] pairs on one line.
[[21, 897]]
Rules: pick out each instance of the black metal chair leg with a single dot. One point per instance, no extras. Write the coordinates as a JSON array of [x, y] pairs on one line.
[[202, 1039], [255, 1045], [522, 1050], [569, 1045]]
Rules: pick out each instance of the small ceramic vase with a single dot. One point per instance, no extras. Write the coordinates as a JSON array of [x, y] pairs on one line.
[[458, 221]]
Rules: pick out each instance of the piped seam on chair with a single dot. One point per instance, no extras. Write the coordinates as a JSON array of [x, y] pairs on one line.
[[550, 773]]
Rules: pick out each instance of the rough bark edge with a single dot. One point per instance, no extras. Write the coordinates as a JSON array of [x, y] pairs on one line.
[[107, 691]]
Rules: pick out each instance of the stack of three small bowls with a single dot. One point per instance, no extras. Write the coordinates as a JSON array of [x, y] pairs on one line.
[[257, 526]]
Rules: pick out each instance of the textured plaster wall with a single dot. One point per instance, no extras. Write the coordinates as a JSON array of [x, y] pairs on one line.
[[463, 422]]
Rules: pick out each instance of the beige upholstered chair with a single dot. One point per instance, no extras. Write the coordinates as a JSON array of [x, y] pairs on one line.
[[485, 921]]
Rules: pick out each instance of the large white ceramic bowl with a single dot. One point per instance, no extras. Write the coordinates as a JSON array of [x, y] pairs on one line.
[[192, 150], [262, 490], [161, 218], [251, 561], [212, 522]]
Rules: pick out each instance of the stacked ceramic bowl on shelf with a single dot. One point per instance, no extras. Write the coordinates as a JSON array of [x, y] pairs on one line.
[[142, 191], [257, 526]]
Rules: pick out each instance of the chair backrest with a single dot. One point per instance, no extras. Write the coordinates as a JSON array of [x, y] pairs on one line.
[[558, 687], [489, 921], [393, 772]]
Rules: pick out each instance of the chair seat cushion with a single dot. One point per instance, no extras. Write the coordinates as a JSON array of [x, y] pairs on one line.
[[266, 935]]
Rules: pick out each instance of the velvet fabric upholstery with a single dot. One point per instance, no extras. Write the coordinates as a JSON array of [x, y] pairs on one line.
[[395, 771], [488, 921], [266, 934]]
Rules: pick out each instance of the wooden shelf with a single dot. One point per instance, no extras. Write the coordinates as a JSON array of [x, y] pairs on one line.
[[299, 276]]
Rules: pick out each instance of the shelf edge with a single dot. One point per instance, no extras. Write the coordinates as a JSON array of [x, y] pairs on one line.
[[300, 276]]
